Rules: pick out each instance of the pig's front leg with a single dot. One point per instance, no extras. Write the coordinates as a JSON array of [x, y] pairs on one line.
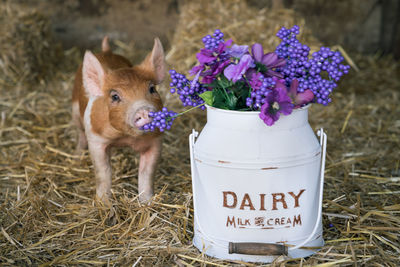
[[147, 166], [99, 152]]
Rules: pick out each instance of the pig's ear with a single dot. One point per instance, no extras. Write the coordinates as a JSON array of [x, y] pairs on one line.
[[155, 61], [105, 45], [92, 75]]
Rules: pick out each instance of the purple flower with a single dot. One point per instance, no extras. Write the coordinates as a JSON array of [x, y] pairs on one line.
[[223, 46], [299, 98], [255, 79], [216, 68], [234, 72], [195, 80], [205, 56], [212, 62], [219, 66], [196, 69], [269, 60], [237, 50], [187, 90], [276, 102], [161, 119], [208, 79], [257, 51]]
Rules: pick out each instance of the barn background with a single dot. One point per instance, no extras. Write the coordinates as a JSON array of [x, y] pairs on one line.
[[47, 212]]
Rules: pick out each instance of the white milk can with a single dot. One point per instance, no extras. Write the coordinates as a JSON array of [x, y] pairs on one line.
[[257, 189]]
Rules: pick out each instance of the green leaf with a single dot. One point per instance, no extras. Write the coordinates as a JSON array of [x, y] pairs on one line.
[[214, 84], [219, 99], [241, 91], [207, 96], [224, 82], [261, 67], [224, 100], [231, 101]]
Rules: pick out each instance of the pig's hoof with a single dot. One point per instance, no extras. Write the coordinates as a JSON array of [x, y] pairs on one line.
[[146, 199], [104, 200], [112, 217], [107, 211]]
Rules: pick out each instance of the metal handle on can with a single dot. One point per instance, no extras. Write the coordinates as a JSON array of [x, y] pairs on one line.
[[265, 248], [252, 248], [322, 141]]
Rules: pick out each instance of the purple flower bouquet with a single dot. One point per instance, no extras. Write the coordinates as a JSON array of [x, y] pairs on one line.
[[243, 78]]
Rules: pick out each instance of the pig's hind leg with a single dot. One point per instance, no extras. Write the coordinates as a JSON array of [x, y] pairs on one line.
[[82, 143]]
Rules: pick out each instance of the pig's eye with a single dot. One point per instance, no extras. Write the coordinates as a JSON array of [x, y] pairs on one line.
[[115, 98], [152, 89]]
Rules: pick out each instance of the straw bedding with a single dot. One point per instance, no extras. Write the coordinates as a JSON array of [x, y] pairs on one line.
[[29, 52], [48, 215]]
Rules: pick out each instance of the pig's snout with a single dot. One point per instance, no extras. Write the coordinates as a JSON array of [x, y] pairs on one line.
[[141, 118]]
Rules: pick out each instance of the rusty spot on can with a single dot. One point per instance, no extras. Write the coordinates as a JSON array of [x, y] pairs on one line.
[[223, 161], [269, 168], [198, 160], [317, 153]]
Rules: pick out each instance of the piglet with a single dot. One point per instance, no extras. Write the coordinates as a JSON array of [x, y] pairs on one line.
[[111, 101]]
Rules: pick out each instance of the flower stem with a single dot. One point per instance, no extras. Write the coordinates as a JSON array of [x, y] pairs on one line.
[[183, 112], [223, 89]]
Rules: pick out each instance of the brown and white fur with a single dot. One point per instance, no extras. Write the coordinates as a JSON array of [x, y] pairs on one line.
[[110, 102]]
